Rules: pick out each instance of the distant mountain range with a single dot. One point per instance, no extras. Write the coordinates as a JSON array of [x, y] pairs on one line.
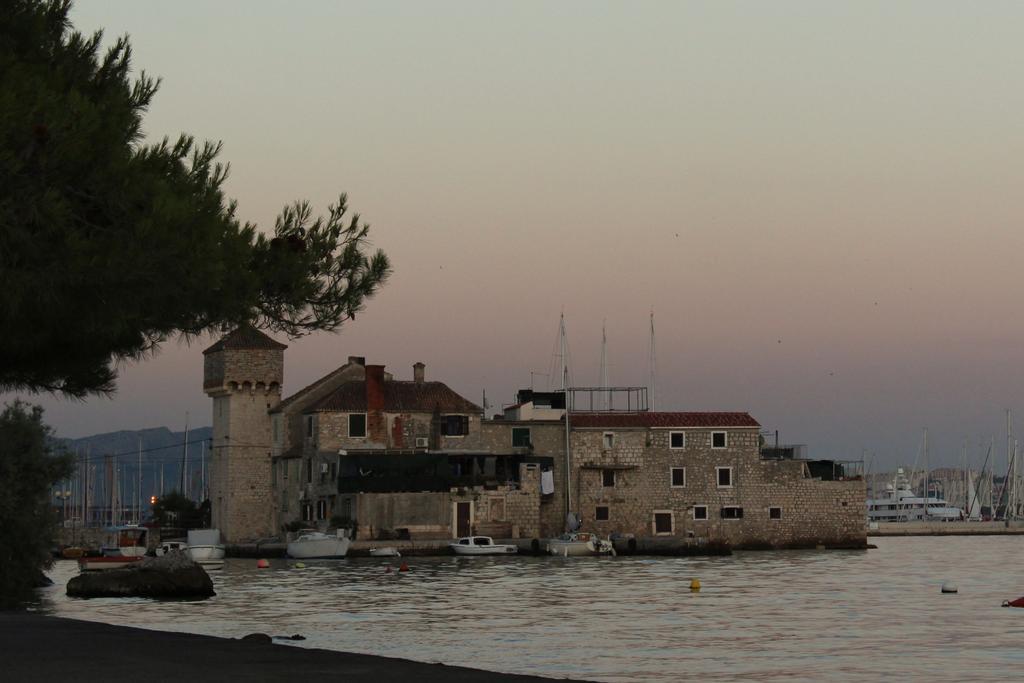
[[162, 454]]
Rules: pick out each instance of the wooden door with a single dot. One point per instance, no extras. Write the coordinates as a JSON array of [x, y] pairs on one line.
[[463, 514]]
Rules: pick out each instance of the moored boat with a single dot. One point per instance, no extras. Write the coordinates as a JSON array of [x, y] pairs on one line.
[[204, 547], [124, 547], [899, 503], [481, 545], [579, 543], [385, 552], [87, 564], [316, 545]]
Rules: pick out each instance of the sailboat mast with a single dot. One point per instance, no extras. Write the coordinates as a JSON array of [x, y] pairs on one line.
[[1011, 471], [184, 460], [565, 388], [652, 366]]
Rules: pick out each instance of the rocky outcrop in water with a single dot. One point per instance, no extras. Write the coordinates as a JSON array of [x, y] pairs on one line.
[[174, 575]]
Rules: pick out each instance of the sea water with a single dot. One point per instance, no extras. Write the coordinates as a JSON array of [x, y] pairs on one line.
[[762, 616]]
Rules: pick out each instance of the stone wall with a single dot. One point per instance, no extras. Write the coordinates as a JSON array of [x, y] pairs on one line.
[[633, 480]]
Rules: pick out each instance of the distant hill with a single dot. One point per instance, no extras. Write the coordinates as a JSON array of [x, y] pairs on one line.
[[162, 452]]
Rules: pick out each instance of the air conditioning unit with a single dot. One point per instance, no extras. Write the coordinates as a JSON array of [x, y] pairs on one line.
[[422, 442], [323, 468]]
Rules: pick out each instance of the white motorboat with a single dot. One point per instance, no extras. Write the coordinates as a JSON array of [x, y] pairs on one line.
[[578, 543], [316, 545], [205, 548], [385, 552], [481, 545]]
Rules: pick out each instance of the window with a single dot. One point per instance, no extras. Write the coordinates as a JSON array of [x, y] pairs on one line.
[[774, 513], [309, 471], [732, 512], [323, 472], [357, 425], [608, 441], [719, 440], [275, 424], [309, 426], [724, 475], [663, 522], [700, 511], [676, 440], [601, 513], [321, 509], [520, 437], [307, 512], [455, 425], [284, 503], [285, 466], [678, 477], [334, 471], [608, 477]]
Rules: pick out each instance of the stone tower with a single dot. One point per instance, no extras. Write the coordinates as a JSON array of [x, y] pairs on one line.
[[242, 373]]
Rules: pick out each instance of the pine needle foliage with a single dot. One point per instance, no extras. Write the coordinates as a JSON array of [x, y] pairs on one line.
[[110, 246], [29, 467]]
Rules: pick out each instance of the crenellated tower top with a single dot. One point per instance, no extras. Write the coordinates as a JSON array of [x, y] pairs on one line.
[[243, 360]]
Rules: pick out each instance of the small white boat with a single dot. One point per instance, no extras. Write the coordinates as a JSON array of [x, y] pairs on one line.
[[205, 548], [385, 552], [481, 545], [579, 543], [316, 545]]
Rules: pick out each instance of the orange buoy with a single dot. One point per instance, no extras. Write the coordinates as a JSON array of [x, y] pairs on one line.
[[404, 567], [262, 564]]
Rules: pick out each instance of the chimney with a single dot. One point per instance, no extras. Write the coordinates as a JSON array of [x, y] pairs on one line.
[[418, 372], [376, 422], [357, 360]]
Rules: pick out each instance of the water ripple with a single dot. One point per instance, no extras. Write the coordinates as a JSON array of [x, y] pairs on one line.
[[764, 616]]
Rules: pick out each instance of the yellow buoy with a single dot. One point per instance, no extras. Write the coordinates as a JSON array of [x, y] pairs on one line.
[[695, 585], [299, 565]]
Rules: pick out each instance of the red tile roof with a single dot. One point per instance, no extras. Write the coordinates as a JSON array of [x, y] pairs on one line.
[[245, 337], [399, 397], [612, 420]]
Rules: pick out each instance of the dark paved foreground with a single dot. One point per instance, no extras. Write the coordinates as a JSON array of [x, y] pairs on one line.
[[41, 648]]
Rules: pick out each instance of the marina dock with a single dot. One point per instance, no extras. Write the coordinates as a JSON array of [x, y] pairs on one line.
[[947, 529]]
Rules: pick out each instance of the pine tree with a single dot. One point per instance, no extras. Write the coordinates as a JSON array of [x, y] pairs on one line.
[[110, 246]]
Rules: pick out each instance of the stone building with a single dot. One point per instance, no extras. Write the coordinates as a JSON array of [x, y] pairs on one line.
[[700, 477], [414, 459]]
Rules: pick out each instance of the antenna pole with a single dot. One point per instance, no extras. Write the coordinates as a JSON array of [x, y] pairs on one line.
[[565, 388], [602, 381]]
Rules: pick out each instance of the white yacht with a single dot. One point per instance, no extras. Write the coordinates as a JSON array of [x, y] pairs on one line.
[[310, 545], [899, 503]]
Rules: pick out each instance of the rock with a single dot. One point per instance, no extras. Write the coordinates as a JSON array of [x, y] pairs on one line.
[[293, 637], [174, 575], [259, 638]]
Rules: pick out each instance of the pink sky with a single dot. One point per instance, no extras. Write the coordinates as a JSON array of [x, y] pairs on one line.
[[819, 200]]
